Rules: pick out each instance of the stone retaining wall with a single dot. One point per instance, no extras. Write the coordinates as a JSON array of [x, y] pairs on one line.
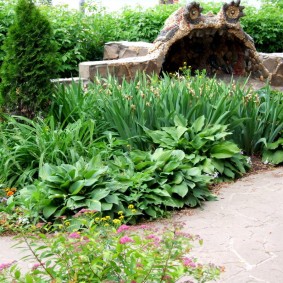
[[273, 62], [121, 68]]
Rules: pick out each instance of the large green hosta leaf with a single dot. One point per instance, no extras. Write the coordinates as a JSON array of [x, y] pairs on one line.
[[224, 149], [273, 152], [274, 157]]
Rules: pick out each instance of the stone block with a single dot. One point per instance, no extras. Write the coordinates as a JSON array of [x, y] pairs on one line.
[[276, 80], [270, 64], [111, 52], [127, 53], [279, 70], [125, 49]]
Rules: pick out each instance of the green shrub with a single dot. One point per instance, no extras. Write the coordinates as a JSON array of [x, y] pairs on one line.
[[176, 174], [80, 37], [265, 26], [29, 62], [153, 182], [7, 14], [144, 25], [163, 141], [71, 103], [273, 152], [261, 116], [100, 254]]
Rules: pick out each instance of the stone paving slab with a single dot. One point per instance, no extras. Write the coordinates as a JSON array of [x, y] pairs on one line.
[[242, 231], [9, 253]]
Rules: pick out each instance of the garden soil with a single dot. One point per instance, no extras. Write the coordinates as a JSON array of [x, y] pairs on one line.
[[241, 231]]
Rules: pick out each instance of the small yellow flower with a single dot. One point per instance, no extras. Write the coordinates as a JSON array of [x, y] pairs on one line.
[[106, 224], [116, 221], [121, 217], [108, 217], [104, 219], [134, 211], [67, 223], [120, 212], [131, 206], [97, 219]]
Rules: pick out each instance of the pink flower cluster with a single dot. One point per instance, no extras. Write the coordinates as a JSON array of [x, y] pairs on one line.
[[36, 266], [156, 239], [123, 228], [75, 235], [6, 265], [125, 240], [189, 262]]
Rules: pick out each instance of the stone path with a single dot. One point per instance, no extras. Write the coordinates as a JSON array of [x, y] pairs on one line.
[[241, 231]]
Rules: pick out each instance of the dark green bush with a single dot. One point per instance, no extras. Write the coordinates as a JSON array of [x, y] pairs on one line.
[[144, 25], [80, 37], [29, 63], [7, 14], [266, 27]]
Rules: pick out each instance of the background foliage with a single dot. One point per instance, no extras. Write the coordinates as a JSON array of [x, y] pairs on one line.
[[81, 37]]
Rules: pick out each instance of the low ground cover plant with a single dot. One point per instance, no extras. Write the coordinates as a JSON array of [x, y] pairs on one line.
[[106, 251]]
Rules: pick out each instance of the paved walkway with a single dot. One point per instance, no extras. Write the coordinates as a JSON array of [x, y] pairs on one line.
[[242, 231]]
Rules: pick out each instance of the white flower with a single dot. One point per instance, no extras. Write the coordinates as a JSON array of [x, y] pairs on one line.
[[215, 175], [249, 160]]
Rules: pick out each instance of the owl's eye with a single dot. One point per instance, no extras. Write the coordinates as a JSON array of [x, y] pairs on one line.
[[233, 11], [193, 13]]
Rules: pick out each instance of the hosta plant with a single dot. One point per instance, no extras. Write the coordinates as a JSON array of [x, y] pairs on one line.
[[160, 181], [206, 146], [273, 152], [66, 188]]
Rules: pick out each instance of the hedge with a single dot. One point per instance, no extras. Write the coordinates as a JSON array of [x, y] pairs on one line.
[[81, 37]]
